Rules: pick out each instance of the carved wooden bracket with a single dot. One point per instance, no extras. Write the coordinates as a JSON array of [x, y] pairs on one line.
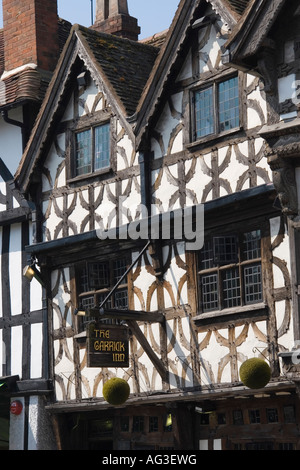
[[285, 184]]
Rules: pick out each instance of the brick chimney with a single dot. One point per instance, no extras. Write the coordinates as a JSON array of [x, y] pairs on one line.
[[30, 33], [112, 17]]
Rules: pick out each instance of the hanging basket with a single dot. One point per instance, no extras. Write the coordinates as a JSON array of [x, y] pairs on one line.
[[255, 373], [116, 391]]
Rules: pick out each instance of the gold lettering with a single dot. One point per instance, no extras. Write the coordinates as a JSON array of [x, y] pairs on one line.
[[118, 357], [109, 346]]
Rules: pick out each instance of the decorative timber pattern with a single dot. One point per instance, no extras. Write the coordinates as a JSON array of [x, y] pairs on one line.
[[182, 172]]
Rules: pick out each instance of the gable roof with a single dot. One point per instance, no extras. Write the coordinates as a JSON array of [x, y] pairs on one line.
[[119, 65], [229, 10], [126, 64], [249, 34]]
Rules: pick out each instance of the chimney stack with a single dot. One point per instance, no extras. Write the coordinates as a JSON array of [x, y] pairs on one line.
[[30, 33], [112, 17]]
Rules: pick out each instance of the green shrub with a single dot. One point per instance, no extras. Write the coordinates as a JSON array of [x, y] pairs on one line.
[[116, 391], [255, 373]]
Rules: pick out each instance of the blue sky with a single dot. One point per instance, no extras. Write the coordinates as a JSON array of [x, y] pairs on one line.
[[153, 16]]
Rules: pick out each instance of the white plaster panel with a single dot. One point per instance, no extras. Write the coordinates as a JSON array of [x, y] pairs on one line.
[[186, 70], [106, 210], [36, 351], [166, 189], [179, 356], [166, 125], [16, 348], [129, 158], [78, 215], [174, 275], [149, 379], [35, 295], [15, 264], [198, 181], [88, 98], [253, 118], [278, 279], [211, 50], [69, 110], [132, 204], [11, 140], [53, 220], [254, 341], [212, 356], [142, 285]]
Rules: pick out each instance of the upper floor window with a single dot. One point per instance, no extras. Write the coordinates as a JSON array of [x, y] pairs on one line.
[[92, 149], [216, 108], [229, 271]]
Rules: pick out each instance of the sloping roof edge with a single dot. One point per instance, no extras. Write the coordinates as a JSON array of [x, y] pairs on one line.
[[77, 45], [169, 52], [240, 45]]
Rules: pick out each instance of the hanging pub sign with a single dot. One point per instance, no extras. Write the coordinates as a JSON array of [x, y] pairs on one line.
[[107, 345]]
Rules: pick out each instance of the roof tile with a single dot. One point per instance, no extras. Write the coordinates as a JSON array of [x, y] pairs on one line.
[[126, 64]]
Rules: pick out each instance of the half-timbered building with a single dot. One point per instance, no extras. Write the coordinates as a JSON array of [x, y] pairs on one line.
[[28, 56], [137, 147]]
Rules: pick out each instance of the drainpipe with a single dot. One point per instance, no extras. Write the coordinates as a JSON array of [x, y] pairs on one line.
[[4, 114]]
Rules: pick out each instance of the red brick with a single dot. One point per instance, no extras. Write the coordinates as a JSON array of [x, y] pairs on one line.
[[30, 27]]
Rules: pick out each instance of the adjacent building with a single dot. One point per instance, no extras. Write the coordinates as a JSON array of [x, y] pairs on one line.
[[158, 187]]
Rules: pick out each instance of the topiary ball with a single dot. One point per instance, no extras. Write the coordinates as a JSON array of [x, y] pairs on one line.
[[255, 373], [116, 391]]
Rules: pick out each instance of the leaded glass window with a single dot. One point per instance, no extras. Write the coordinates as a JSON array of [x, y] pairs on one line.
[[92, 149], [216, 108], [229, 271], [97, 278]]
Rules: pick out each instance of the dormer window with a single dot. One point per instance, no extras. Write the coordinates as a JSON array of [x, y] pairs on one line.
[[92, 149]]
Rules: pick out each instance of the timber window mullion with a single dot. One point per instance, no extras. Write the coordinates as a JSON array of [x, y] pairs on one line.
[[216, 108], [231, 275]]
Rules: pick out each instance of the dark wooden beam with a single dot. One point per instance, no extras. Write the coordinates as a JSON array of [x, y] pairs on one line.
[[158, 364], [136, 315]]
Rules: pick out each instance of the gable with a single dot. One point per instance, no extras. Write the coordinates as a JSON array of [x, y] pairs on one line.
[[119, 68], [173, 51], [248, 36], [126, 64]]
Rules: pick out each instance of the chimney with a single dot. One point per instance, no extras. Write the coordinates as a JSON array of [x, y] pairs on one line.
[[30, 33], [112, 17]]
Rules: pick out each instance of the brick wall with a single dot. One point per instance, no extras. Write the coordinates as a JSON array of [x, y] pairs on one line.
[[30, 33], [112, 17]]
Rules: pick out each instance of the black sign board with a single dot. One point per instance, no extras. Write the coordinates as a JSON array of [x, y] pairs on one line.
[[107, 345]]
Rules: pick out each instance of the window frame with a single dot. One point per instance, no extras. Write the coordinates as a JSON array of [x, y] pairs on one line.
[[99, 293], [86, 123], [215, 84], [92, 144], [240, 264]]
